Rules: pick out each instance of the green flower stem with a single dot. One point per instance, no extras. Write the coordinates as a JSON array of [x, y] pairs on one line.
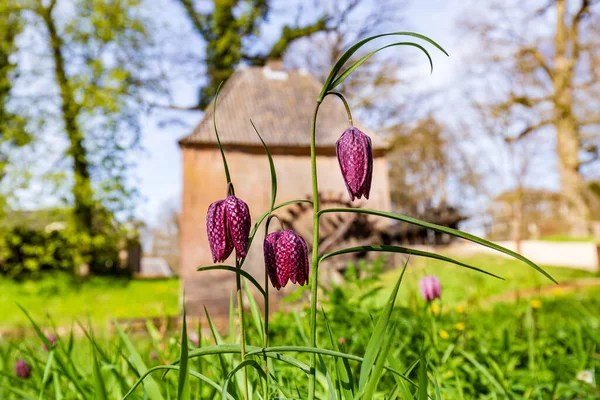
[[314, 278], [238, 284], [266, 333], [343, 99]]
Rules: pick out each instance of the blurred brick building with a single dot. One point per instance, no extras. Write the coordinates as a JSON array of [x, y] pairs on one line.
[[281, 103]]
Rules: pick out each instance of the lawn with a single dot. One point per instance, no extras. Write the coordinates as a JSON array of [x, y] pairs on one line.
[[65, 299], [460, 285]]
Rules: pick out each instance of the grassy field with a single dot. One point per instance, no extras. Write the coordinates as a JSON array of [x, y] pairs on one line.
[[463, 286], [65, 299]]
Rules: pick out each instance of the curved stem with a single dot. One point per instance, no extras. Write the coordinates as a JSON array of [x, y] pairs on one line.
[[269, 221], [341, 96], [315, 258], [238, 284]]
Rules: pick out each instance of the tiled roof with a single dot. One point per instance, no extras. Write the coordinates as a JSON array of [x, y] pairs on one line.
[[281, 105]]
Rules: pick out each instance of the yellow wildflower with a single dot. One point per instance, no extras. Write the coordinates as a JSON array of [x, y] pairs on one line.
[[557, 291], [460, 309], [535, 303], [460, 326], [444, 335], [435, 308]]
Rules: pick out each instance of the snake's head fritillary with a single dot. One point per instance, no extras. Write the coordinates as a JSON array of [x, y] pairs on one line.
[[355, 156]]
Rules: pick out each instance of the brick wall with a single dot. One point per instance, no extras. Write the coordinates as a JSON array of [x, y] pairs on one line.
[[204, 182]]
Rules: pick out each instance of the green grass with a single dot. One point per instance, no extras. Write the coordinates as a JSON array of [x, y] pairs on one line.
[[564, 238], [460, 285], [65, 299]]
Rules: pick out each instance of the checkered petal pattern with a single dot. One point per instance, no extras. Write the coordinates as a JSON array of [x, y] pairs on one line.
[[286, 258], [269, 250], [228, 227], [355, 156], [219, 240], [238, 222]]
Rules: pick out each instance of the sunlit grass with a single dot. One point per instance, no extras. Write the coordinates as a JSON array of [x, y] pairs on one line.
[[460, 285], [65, 299]]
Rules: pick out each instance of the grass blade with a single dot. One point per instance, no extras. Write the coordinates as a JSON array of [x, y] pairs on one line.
[[374, 345], [325, 372], [183, 387], [225, 167], [344, 372], [150, 384]]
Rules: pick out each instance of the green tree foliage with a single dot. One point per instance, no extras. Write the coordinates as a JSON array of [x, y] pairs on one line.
[[94, 53], [228, 27], [13, 131]]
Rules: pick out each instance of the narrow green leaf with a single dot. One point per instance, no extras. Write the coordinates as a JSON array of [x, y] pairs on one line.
[[255, 310], [346, 56], [358, 63], [100, 390], [172, 367], [378, 369], [225, 167], [483, 371], [243, 364], [183, 387], [150, 385], [272, 168], [47, 371], [233, 269], [404, 250], [325, 372], [63, 365], [344, 373], [375, 343], [422, 376], [442, 229]]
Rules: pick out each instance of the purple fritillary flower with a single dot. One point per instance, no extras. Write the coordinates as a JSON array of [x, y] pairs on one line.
[[22, 369], [355, 156], [238, 221], [228, 227], [220, 243], [286, 258], [269, 250], [430, 288], [52, 339]]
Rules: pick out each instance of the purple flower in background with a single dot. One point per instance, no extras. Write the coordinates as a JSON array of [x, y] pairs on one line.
[[228, 227], [286, 258], [355, 155], [52, 339], [22, 369], [430, 288]]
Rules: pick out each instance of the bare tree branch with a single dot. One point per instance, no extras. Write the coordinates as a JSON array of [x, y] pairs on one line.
[[529, 129]]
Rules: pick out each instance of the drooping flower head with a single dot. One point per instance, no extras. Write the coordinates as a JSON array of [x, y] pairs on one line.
[[52, 339], [355, 155], [22, 369], [228, 227], [430, 288], [286, 258]]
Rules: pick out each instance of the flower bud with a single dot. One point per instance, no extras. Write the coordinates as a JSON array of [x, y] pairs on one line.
[[430, 288], [52, 339], [355, 156], [286, 258], [22, 369]]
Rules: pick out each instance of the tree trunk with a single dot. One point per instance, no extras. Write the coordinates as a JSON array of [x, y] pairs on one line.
[[568, 143], [82, 187]]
